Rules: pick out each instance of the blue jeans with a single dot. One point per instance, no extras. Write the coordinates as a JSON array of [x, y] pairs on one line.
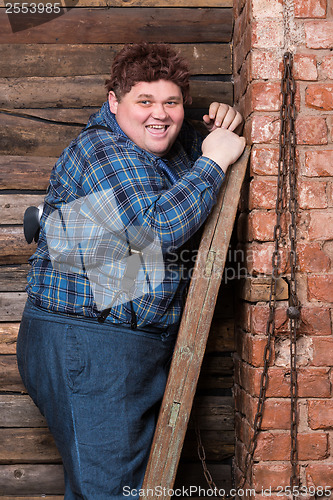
[[99, 387]]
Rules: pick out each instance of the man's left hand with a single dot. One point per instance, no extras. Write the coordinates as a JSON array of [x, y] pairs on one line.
[[222, 116]]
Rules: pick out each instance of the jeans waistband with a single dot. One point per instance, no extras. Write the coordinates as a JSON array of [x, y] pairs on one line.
[[37, 311]]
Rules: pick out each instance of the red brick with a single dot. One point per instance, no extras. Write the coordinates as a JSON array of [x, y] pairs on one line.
[[267, 34], [260, 315], [320, 414], [262, 129], [319, 96], [305, 67], [314, 382], [320, 225], [265, 64], [262, 9], [312, 194], [322, 351], [251, 348], [265, 96], [241, 23], [271, 476], [312, 258], [320, 288], [311, 130], [259, 258], [318, 163], [326, 67], [276, 446], [261, 225], [310, 8], [315, 320], [264, 160], [320, 475], [319, 34], [276, 414], [262, 193]]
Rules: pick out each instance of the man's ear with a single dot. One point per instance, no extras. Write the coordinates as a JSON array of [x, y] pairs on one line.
[[113, 102]]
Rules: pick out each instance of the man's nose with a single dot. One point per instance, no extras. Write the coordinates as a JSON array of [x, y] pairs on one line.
[[159, 112]]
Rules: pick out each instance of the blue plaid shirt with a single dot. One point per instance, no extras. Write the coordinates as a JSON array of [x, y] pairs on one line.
[[100, 161]]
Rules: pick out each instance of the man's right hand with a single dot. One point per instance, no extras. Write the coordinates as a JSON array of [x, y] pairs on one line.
[[223, 146]]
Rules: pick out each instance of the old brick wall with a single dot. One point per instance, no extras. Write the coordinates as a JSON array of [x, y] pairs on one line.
[[264, 30]]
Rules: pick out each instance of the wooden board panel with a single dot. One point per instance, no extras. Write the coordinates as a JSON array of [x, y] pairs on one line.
[[10, 380], [12, 305], [28, 479], [141, 3], [25, 172], [13, 247], [8, 336], [27, 445], [85, 91], [21, 136], [96, 59], [103, 25], [13, 278], [13, 206], [19, 411], [193, 333]]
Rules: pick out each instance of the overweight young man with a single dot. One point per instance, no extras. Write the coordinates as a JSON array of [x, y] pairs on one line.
[[105, 291]]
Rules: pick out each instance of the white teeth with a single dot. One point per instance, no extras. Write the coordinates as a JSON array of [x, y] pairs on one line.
[[157, 126]]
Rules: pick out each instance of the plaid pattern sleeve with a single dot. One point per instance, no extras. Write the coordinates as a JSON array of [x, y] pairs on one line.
[[109, 194]]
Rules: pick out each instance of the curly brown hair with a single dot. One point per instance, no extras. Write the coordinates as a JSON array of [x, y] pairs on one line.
[[148, 62]]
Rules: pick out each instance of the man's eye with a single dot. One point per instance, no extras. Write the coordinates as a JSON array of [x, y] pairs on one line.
[[171, 103], [144, 102]]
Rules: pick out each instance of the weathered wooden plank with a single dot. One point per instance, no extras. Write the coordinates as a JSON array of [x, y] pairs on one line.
[[140, 3], [8, 336], [21, 136], [221, 337], [19, 411], [13, 278], [193, 333], [12, 305], [10, 379], [13, 206], [95, 59], [13, 247], [83, 91], [111, 25], [29, 479], [39, 497], [34, 445], [25, 172]]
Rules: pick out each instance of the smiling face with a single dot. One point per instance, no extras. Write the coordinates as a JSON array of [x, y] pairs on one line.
[[151, 114]]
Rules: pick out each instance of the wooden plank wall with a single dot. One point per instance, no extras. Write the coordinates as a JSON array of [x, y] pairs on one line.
[[52, 71]]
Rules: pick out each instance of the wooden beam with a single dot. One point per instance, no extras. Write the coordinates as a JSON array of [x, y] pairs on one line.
[[192, 336], [140, 3], [66, 60], [25, 172], [29, 480], [111, 25], [86, 91]]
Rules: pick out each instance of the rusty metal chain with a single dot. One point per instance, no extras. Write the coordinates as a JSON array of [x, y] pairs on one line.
[[202, 457], [287, 163]]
